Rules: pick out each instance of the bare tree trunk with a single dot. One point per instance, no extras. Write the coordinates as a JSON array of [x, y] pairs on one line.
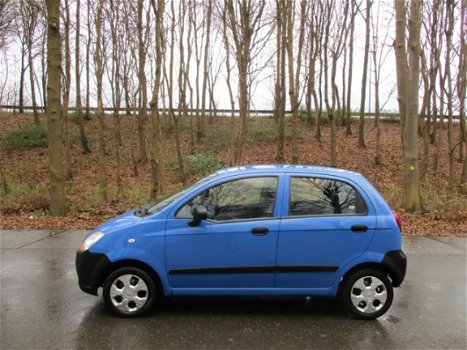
[[290, 11], [114, 15], [54, 125], [87, 116], [348, 125], [318, 99], [206, 65], [143, 113], [312, 54], [328, 20], [335, 50], [378, 157], [170, 85], [426, 125], [440, 122], [377, 55], [66, 93], [79, 110], [409, 76], [439, 96], [294, 75], [212, 80], [281, 45], [342, 106], [186, 81], [401, 62], [451, 148], [156, 145], [461, 92], [200, 132], [361, 126], [242, 29], [126, 85], [229, 85], [33, 90], [429, 77], [44, 67], [30, 14], [21, 80], [100, 107]]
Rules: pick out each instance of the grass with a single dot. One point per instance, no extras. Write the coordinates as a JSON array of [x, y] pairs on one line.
[[262, 130], [201, 163], [443, 204], [23, 170], [218, 137], [24, 197], [28, 135]]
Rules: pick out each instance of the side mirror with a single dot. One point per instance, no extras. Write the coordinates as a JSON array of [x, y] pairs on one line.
[[200, 213]]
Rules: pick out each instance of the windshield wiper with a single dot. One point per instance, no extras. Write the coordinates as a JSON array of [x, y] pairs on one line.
[[144, 210]]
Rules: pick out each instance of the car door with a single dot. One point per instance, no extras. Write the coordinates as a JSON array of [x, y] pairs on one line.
[[328, 223], [235, 247]]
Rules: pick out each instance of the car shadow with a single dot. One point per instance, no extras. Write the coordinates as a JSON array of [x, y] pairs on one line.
[[250, 305], [227, 322]]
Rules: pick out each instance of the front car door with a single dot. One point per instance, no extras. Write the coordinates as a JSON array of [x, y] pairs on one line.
[[234, 248], [329, 222]]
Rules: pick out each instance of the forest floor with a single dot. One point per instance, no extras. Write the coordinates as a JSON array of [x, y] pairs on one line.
[[24, 198]]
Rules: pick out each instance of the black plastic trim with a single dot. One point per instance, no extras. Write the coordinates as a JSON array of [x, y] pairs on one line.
[[254, 269], [396, 262], [90, 267]]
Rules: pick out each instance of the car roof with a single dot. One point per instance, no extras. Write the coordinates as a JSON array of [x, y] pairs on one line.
[[285, 168]]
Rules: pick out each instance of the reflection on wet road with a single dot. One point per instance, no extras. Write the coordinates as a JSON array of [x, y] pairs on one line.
[[42, 307]]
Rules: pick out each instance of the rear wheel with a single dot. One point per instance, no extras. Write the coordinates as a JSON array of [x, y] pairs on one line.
[[129, 291], [367, 294]]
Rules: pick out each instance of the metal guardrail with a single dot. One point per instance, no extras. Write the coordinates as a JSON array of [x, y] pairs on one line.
[[218, 112], [214, 112]]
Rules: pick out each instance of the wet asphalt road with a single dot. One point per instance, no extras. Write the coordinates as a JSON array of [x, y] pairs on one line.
[[43, 307]]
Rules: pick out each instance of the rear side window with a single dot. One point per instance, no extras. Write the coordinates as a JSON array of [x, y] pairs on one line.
[[318, 196]]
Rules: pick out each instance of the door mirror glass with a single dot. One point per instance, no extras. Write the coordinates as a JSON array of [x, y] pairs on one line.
[[200, 213]]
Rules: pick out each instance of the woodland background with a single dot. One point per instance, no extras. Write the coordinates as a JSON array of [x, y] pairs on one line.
[[111, 103]]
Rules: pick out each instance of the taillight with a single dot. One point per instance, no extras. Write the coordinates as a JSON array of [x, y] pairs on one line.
[[398, 220]]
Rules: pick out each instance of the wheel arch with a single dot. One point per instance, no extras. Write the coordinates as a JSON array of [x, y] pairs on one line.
[[363, 266], [136, 264], [393, 264]]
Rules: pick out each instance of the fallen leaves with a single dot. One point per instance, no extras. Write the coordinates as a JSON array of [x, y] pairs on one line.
[[27, 173]]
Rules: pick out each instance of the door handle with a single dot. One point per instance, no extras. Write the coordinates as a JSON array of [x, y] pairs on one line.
[[359, 228], [260, 231]]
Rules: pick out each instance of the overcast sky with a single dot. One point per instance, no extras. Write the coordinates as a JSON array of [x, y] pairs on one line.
[[262, 94]]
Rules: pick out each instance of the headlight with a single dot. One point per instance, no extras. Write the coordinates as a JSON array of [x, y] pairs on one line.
[[90, 241]]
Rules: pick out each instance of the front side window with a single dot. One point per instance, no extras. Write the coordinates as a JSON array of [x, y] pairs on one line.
[[236, 200], [318, 196]]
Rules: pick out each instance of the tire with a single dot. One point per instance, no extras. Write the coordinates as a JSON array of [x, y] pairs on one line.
[[129, 292], [367, 294]]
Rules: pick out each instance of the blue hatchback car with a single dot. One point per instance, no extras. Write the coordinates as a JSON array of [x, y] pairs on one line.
[[252, 231]]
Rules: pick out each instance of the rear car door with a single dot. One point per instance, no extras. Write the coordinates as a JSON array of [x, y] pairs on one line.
[[329, 221]]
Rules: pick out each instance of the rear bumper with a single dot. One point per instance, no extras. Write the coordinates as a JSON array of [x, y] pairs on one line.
[[396, 262], [90, 268]]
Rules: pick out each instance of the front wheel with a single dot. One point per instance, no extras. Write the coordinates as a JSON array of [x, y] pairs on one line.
[[367, 294], [129, 292]]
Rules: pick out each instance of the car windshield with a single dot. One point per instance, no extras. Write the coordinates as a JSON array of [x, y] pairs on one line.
[[156, 206]]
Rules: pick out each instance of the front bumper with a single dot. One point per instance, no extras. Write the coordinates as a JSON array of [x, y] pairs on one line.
[[396, 262], [90, 268]]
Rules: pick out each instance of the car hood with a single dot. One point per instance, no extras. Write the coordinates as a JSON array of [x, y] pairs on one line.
[[119, 222]]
